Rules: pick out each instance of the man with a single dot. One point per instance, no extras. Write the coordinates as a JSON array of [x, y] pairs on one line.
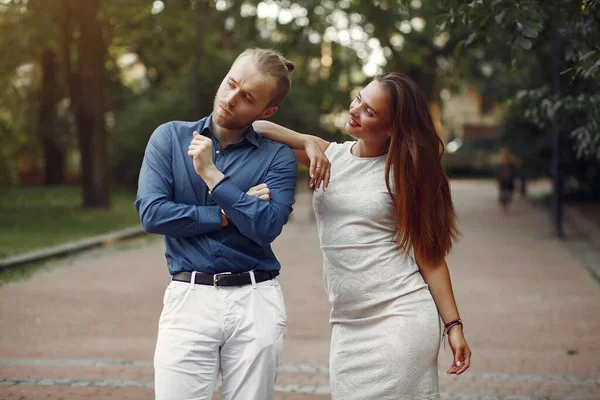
[[220, 194]]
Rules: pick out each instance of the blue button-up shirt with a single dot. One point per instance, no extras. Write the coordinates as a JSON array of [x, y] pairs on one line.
[[173, 201]]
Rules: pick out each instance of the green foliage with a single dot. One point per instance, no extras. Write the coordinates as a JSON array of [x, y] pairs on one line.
[[526, 140], [8, 167], [527, 29], [136, 122], [581, 112], [501, 45], [169, 44], [518, 22], [17, 121]]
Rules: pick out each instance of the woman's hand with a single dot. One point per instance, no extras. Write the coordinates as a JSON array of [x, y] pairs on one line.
[[261, 191], [460, 349], [320, 167]]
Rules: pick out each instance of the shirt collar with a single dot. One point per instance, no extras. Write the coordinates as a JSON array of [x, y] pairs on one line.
[[251, 135]]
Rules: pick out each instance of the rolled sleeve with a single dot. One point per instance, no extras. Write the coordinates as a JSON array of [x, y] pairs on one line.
[[255, 218]]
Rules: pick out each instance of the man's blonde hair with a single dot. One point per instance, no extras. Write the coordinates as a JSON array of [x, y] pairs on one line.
[[274, 64]]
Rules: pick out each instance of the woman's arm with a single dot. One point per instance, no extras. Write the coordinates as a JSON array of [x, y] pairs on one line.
[[309, 150], [437, 277]]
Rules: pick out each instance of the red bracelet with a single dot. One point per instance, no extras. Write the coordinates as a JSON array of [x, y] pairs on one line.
[[456, 321]]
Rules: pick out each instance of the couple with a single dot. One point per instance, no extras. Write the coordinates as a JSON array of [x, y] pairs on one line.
[[220, 193]]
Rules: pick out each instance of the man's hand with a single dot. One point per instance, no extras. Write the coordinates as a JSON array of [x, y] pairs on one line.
[[200, 151], [261, 191], [224, 220]]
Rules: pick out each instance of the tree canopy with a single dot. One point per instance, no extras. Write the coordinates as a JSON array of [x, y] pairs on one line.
[[95, 78]]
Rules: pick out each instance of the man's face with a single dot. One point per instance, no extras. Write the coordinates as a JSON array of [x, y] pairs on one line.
[[243, 96]]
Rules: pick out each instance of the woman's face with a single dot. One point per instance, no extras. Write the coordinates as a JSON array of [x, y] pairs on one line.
[[369, 114]]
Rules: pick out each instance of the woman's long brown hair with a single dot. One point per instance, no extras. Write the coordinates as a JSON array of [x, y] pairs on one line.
[[425, 217]]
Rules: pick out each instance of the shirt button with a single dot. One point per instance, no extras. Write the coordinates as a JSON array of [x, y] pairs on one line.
[[218, 152]]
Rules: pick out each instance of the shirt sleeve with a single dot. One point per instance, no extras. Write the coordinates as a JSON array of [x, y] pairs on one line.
[[255, 218], [154, 202]]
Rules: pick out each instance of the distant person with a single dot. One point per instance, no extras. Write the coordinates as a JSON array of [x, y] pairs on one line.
[[386, 223], [220, 194], [523, 181], [506, 176]]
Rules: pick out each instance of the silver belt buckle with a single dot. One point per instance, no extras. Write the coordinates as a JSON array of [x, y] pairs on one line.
[[216, 278]]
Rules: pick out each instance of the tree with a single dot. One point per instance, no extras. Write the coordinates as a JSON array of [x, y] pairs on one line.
[[30, 28], [562, 35], [526, 28], [54, 154], [90, 107]]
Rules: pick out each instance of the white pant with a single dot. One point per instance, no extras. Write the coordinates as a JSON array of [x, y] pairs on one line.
[[205, 329]]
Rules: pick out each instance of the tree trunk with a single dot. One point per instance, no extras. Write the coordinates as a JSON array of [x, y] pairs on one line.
[[54, 156], [90, 118], [65, 40], [201, 10]]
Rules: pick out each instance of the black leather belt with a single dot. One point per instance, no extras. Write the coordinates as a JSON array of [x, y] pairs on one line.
[[225, 278]]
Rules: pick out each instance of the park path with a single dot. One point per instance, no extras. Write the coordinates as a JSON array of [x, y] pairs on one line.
[[86, 328]]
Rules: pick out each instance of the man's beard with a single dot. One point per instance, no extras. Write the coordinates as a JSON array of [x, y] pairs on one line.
[[230, 121]]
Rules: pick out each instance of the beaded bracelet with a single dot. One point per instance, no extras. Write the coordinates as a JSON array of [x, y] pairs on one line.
[[454, 322], [447, 328], [451, 324]]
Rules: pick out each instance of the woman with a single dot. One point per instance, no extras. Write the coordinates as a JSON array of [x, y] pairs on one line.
[[386, 222]]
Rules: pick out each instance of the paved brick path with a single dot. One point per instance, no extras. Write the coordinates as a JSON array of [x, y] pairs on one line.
[[85, 329]]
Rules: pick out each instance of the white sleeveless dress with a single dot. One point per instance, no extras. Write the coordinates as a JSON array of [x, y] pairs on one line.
[[385, 325]]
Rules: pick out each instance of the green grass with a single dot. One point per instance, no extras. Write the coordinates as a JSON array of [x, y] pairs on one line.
[[25, 271], [35, 217]]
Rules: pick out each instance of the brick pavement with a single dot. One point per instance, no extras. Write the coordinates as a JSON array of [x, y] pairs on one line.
[[85, 329]]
